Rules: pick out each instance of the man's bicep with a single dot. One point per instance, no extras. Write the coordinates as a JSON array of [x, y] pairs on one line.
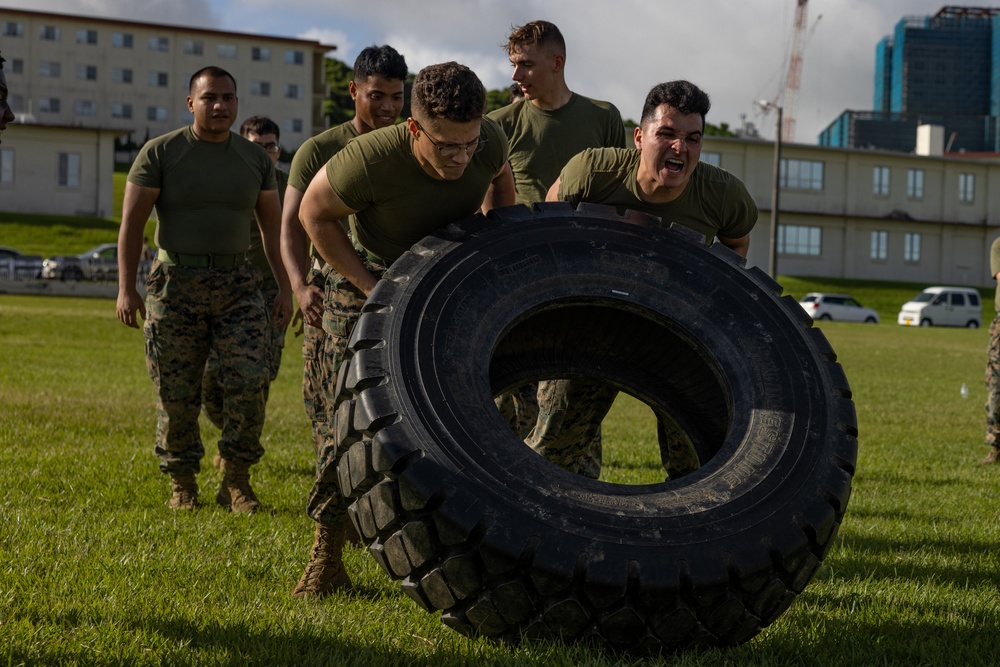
[[321, 202], [138, 202]]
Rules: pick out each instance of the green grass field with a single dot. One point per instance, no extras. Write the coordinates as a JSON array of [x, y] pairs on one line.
[[95, 570]]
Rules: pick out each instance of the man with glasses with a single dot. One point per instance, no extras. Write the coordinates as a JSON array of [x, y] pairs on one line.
[[264, 132], [205, 183], [546, 129], [377, 90], [400, 184]]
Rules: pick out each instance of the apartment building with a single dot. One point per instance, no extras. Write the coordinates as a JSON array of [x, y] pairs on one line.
[[132, 77], [870, 214]]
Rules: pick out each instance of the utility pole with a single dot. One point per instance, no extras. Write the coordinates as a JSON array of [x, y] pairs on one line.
[[772, 258]]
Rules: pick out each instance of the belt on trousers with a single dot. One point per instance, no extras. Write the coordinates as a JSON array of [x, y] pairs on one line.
[[203, 261]]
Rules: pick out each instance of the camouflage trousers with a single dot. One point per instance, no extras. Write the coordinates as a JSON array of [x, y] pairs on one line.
[[519, 408], [190, 311], [993, 386], [341, 310], [315, 372], [568, 431], [211, 387]]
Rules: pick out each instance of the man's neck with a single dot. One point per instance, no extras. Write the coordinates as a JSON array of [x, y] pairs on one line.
[[652, 193], [557, 99]]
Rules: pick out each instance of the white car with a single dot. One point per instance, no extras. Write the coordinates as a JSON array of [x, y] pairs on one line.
[[823, 306], [943, 306], [98, 263]]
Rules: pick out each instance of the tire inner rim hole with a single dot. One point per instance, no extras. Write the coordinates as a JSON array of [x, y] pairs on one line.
[[580, 355]]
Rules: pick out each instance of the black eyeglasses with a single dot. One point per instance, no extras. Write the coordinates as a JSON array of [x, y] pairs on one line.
[[449, 150], [270, 147]]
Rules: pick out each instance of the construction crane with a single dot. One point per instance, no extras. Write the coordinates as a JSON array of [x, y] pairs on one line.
[[794, 78]]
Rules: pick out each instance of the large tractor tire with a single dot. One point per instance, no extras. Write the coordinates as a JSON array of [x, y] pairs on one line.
[[509, 545]]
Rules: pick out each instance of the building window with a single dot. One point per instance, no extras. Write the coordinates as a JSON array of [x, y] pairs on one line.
[[260, 53], [293, 91], [293, 125], [13, 29], [880, 181], [86, 36], [86, 72], [966, 188], [880, 245], [295, 57], [799, 240], [48, 104], [911, 247], [49, 33], [226, 51], [17, 66], [915, 183], [121, 110], [6, 165], [121, 75], [711, 158], [69, 170], [156, 114], [86, 108], [159, 44], [49, 68], [261, 88], [158, 79], [194, 47], [121, 40], [801, 175]]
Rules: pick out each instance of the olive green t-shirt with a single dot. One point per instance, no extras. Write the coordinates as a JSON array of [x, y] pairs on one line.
[[995, 269], [397, 202], [542, 141], [714, 203], [313, 154], [208, 190], [256, 253]]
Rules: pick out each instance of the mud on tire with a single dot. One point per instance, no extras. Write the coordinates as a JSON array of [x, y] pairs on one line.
[[508, 545]]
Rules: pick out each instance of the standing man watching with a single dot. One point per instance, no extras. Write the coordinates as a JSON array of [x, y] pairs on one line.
[[377, 90], [993, 368], [264, 132], [552, 125], [6, 115], [205, 183], [400, 183], [662, 177]]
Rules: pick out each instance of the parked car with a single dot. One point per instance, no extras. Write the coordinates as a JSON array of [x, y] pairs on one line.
[[98, 263], [823, 306], [15, 265], [943, 306]]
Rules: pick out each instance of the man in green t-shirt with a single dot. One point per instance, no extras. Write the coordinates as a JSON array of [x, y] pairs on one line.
[[377, 90], [548, 127], [205, 183], [264, 132], [993, 367], [662, 176], [399, 183]]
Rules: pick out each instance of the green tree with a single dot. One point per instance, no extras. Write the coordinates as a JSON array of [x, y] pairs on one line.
[[338, 106]]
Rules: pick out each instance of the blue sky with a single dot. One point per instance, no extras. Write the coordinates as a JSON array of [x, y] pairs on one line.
[[736, 50]]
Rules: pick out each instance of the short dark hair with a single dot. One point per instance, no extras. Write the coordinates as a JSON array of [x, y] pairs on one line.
[[383, 61], [260, 125], [450, 91], [681, 95], [542, 33], [2, 60], [212, 71]]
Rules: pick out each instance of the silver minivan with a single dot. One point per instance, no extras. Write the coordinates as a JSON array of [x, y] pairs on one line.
[[943, 306]]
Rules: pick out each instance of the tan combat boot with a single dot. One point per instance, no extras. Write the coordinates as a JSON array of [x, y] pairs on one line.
[[184, 491], [235, 491], [992, 457], [325, 572]]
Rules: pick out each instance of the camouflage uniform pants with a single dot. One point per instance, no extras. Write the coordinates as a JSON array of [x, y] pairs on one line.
[[519, 408], [993, 386], [568, 431], [315, 371], [188, 312], [211, 387], [341, 310]]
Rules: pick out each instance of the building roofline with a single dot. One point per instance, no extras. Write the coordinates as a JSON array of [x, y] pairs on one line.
[[317, 46]]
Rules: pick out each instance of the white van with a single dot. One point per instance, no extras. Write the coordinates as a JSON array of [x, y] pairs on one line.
[[943, 306]]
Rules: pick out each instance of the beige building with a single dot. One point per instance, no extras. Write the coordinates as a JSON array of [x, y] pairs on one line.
[[83, 71], [875, 215]]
